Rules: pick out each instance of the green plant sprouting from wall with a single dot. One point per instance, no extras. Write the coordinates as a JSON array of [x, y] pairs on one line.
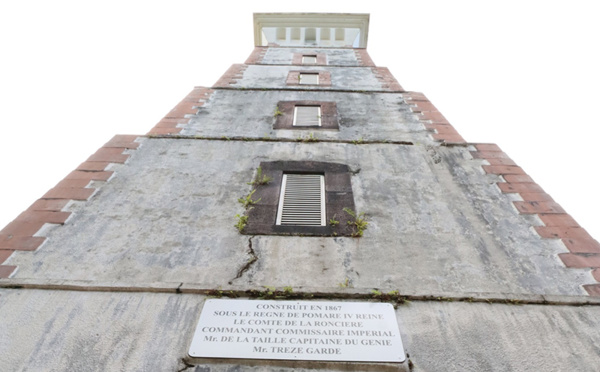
[[277, 112], [359, 223], [260, 179], [345, 284], [247, 202], [309, 138], [242, 221]]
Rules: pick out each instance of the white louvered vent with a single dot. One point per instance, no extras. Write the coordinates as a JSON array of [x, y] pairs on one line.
[[309, 79], [307, 116], [302, 200], [309, 60]]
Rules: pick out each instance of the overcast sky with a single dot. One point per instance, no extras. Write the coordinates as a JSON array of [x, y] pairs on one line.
[[521, 74]]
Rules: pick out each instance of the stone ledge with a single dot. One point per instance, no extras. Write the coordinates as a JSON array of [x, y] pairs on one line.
[[304, 293]]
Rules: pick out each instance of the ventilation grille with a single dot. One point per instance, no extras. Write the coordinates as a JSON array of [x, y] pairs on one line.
[[302, 200], [307, 116], [310, 79]]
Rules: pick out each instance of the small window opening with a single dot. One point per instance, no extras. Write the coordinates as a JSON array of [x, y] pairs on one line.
[[281, 33], [309, 79], [307, 116], [309, 60], [310, 34], [295, 33], [302, 200]]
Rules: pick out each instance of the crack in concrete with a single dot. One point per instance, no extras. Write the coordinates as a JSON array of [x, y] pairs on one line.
[[186, 366], [269, 139], [249, 263]]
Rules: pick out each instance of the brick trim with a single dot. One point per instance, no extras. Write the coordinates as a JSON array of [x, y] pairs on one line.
[[293, 78], [584, 251], [188, 106], [257, 55], [433, 120], [363, 58], [387, 80], [329, 115], [231, 76], [321, 59], [18, 235]]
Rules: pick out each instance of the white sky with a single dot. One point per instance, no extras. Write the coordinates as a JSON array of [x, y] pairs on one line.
[[522, 74]]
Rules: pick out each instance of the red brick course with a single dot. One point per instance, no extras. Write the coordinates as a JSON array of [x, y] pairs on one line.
[[582, 245], [22, 228], [516, 177], [432, 118], [387, 80], [491, 147], [558, 220], [6, 270], [89, 176], [535, 196], [581, 260], [74, 193], [503, 169], [126, 141], [363, 58], [526, 207], [4, 254], [109, 155], [231, 76], [20, 243], [43, 216], [501, 161], [49, 205], [555, 232], [592, 289], [188, 106], [92, 166], [508, 187], [257, 55], [584, 250], [19, 234]]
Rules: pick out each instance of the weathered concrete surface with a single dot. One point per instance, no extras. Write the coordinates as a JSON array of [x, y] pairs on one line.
[[92, 331], [355, 78], [377, 117], [481, 337], [434, 226], [335, 57], [437, 226]]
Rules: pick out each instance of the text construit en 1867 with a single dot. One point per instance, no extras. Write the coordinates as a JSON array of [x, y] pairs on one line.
[[298, 330]]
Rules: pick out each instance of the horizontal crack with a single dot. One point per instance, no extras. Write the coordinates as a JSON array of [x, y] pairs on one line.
[[326, 293], [267, 139]]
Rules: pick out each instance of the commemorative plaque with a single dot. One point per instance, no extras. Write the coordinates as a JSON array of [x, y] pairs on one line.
[[298, 330]]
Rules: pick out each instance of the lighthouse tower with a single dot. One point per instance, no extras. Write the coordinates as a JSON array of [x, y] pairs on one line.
[[309, 180]]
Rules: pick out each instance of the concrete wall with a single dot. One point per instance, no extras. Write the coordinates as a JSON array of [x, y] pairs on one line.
[[270, 77], [335, 57], [375, 116], [120, 285], [93, 331], [168, 215]]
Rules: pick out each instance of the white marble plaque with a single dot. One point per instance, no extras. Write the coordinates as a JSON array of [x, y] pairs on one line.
[[298, 330]]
